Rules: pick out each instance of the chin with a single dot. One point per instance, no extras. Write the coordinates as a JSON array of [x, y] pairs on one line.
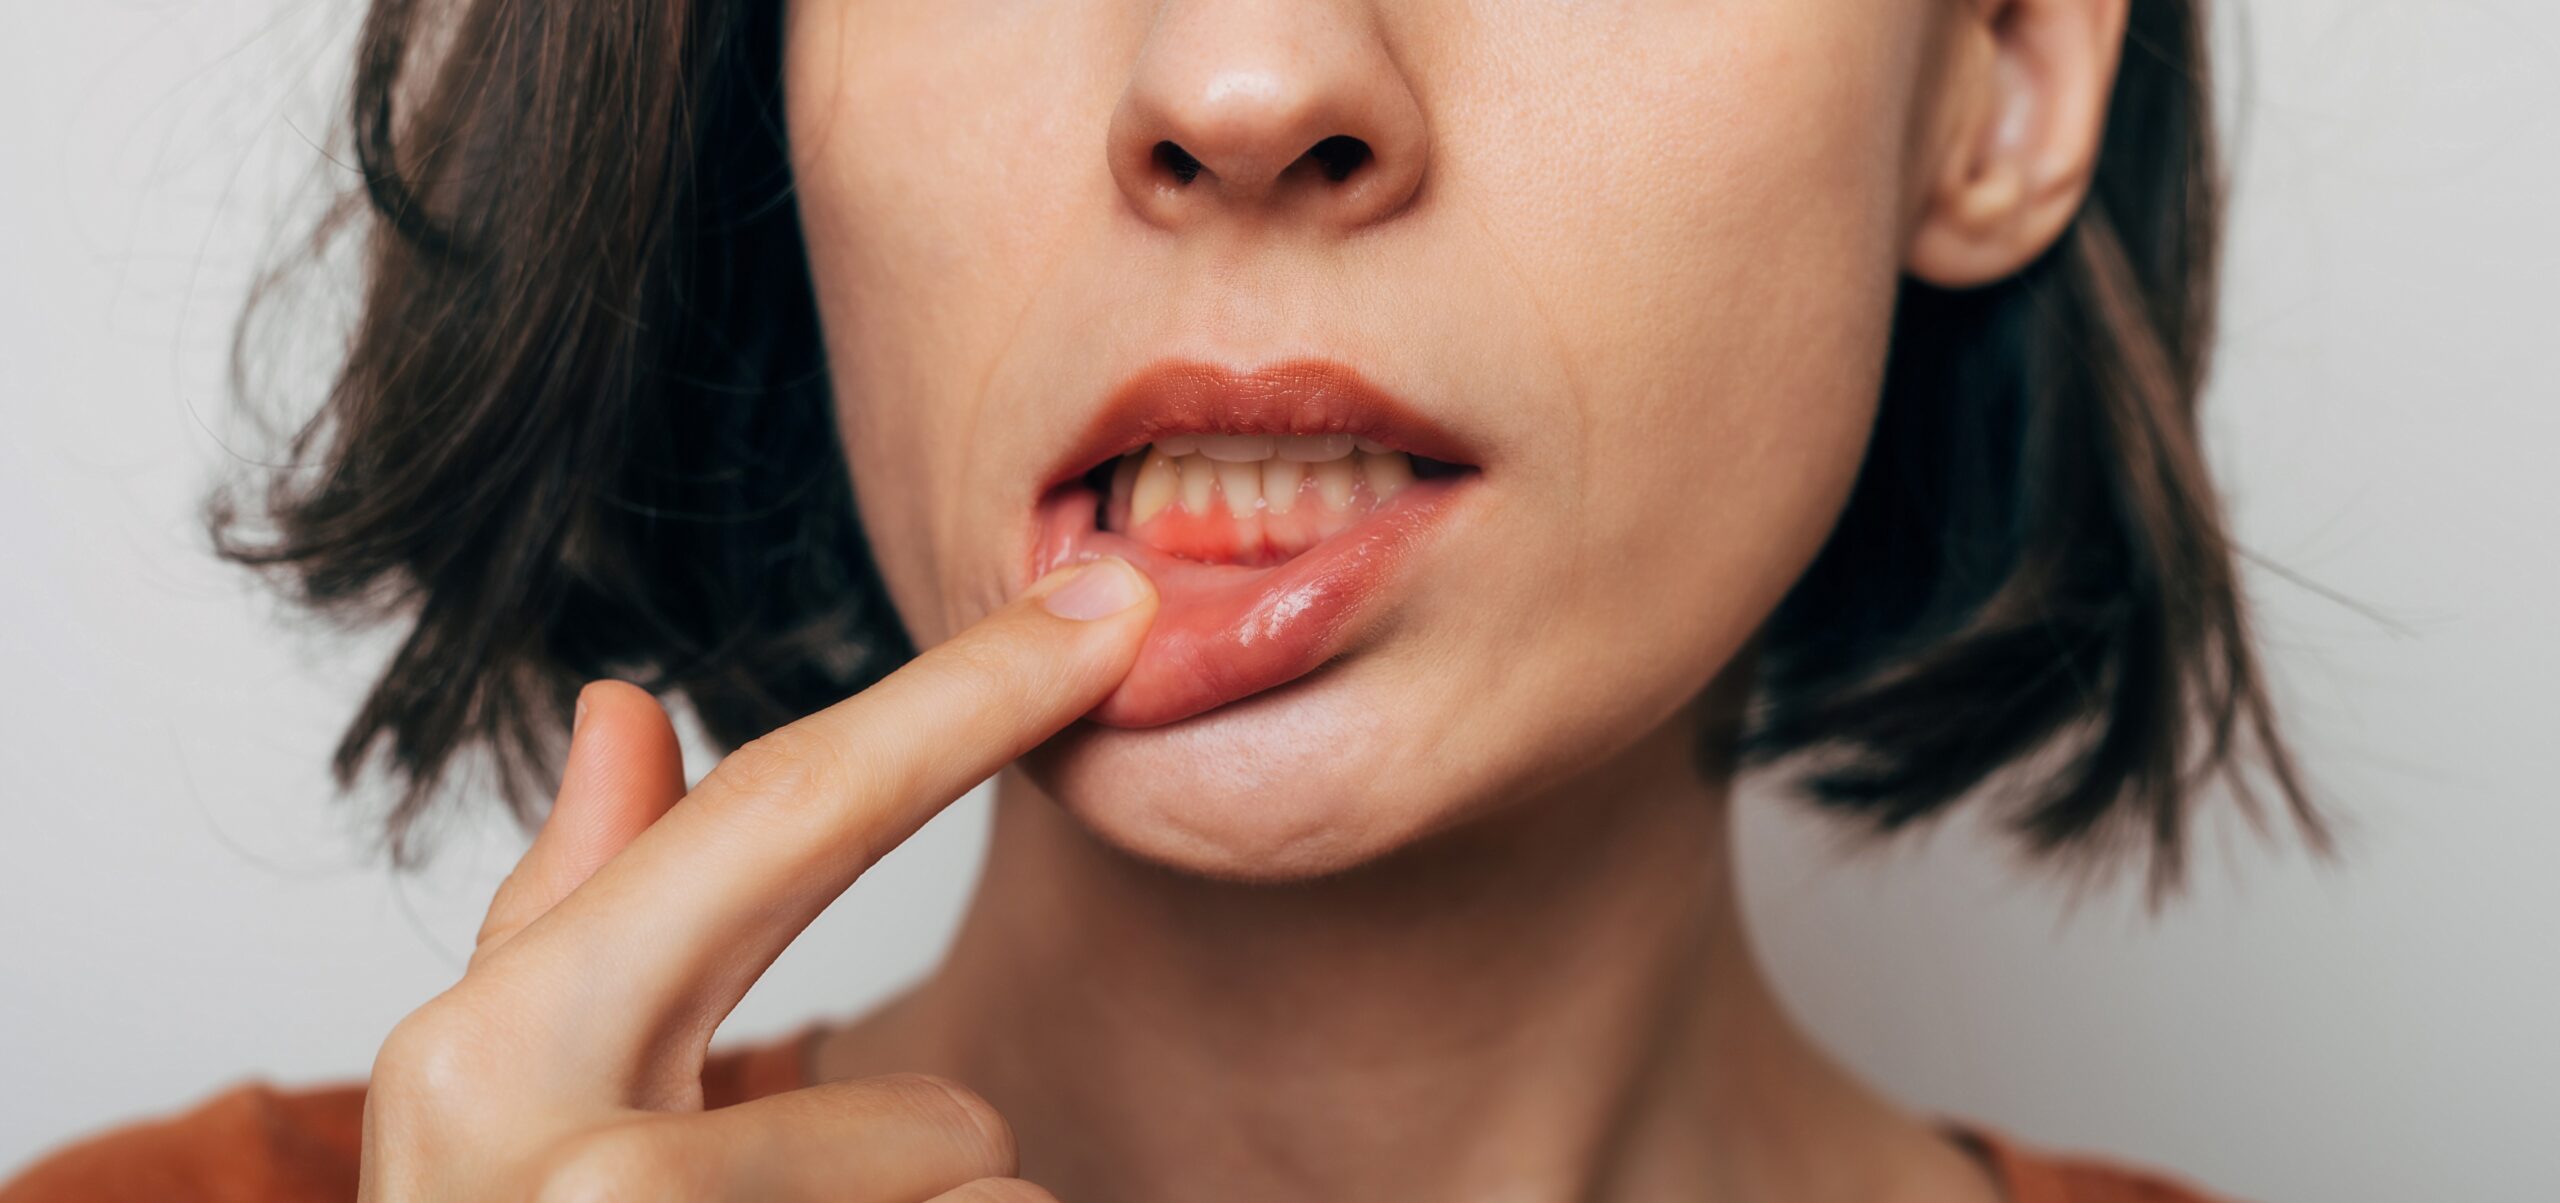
[[1297, 782]]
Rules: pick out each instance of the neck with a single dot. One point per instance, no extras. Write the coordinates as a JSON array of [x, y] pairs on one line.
[[1555, 1002]]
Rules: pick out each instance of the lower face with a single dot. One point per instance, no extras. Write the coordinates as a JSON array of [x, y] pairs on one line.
[[1626, 338]]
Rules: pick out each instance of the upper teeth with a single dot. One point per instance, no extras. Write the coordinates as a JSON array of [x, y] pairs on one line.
[[1262, 472]]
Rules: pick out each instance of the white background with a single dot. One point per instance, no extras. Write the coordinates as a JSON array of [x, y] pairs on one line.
[[182, 903]]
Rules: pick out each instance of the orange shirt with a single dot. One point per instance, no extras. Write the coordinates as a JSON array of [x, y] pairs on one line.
[[256, 1143]]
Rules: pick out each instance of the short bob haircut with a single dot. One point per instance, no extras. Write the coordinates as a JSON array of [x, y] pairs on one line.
[[583, 429]]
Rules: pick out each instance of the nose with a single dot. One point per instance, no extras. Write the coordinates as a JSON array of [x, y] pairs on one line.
[[1244, 108]]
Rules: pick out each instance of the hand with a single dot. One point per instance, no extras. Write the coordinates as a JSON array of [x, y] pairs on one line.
[[566, 1065]]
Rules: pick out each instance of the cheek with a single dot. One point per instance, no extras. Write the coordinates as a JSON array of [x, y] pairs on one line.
[[1721, 266], [1718, 267], [924, 170]]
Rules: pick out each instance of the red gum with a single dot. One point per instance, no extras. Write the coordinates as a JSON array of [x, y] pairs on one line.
[[1261, 538]]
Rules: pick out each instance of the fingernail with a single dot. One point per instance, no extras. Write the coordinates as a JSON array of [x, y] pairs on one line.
[[578, 717], [1098, 590]]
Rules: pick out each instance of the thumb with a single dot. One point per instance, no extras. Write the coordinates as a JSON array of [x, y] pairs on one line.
[[625, 769]]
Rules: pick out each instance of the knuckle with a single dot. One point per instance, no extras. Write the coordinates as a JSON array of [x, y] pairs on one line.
[[622, 1164], [993, 678], [988, 667], [977, 664], [434, 1053], [774, 775], [998, 1190], [963, 1114]]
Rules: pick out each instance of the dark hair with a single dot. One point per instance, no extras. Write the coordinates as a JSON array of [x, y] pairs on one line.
[[2034, 558], [583, 429]]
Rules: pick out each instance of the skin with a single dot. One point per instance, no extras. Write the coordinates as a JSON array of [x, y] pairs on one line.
[[1436, 921]]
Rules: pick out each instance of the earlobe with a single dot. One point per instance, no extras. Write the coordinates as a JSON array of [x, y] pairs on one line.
[[2023, 111]]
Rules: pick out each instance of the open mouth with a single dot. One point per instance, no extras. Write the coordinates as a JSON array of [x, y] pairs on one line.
[[1268, 508], [1252, 499]]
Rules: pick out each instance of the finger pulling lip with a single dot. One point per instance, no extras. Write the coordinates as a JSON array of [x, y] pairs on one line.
[[1225, 631]]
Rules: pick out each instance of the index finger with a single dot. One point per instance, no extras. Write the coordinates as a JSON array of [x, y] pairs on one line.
[[671, 932]]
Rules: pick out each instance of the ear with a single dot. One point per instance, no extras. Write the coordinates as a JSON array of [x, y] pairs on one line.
[[2019, 112]]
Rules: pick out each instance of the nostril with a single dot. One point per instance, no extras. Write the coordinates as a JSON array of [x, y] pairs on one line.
[[1178, 161], [1337, 156], [1341, 155]]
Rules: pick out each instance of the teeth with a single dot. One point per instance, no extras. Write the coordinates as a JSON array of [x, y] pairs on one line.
[[1372, 446], [1158, 480], [1314, 448], [1255, 476], [1241, 483], [1236, 448], [1280, 481], [1198, 480], [1388, 474], [1334, 479]]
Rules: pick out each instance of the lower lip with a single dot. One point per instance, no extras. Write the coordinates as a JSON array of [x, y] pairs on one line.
[[1224, 632]]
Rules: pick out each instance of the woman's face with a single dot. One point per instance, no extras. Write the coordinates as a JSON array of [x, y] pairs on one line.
[[1625, 268]]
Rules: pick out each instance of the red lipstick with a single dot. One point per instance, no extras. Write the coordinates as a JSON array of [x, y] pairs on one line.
[[1224, 631]]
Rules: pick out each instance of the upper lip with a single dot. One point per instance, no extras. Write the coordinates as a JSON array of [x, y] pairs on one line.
[[1295, 396]]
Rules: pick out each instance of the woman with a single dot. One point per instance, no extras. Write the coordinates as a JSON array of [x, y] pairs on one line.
[[1368, 475]]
